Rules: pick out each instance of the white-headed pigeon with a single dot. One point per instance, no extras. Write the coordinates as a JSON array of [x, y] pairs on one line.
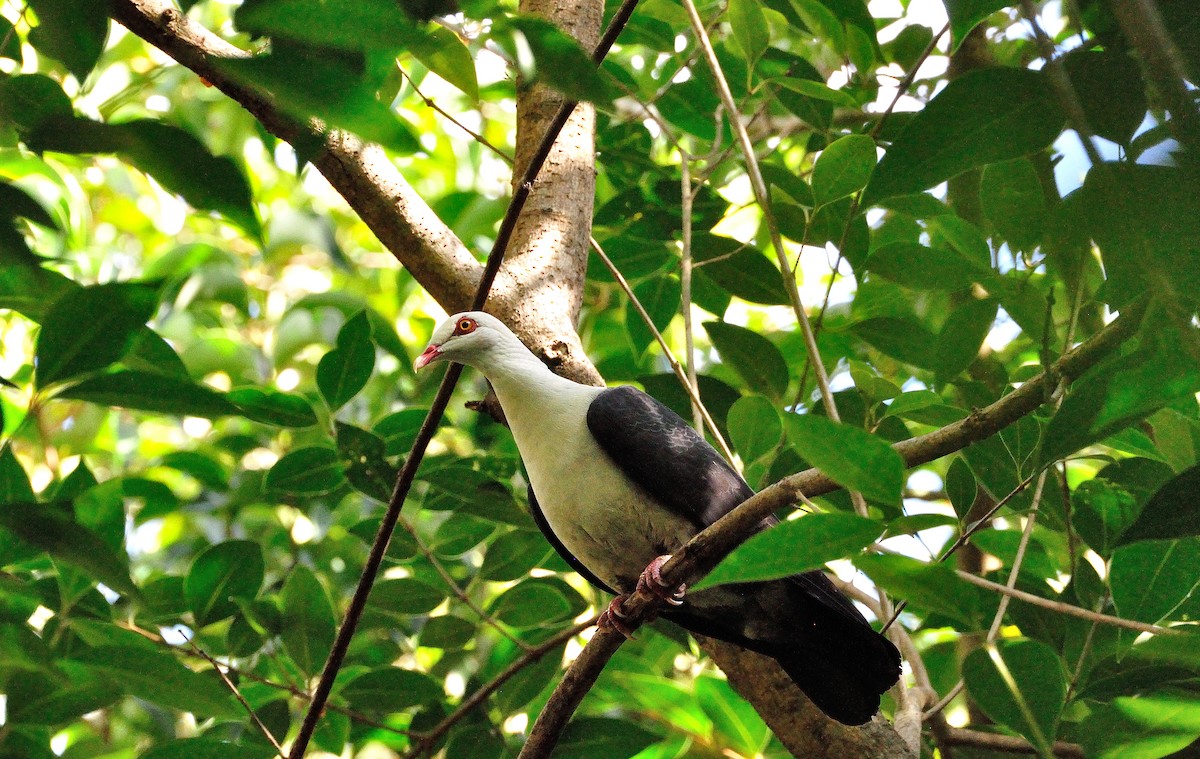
[[618, 480]]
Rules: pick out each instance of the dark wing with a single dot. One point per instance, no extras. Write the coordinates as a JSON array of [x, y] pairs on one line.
[[540, 520], [661, 452]]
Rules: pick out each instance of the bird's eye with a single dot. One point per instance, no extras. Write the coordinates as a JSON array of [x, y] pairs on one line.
[[464, 326]]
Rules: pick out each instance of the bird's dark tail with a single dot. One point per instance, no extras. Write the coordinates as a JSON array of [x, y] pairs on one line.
[[844, 680], [836, 658]]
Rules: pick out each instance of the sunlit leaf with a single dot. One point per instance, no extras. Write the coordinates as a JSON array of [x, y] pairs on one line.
[[219, 575], [1022, 684], [344, 371], [50, 528], [90, 328], [984, 116], [308, 621], [794, 546], [852, 456]]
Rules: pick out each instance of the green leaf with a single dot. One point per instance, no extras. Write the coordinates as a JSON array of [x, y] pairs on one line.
[[755, 358], [37, 699], [447, 55], [754, 427], [818, 91], [1021, 684], [341, 24], [149, 391], [28, 99], [89, 328], [399, 430], [344, 371], [592, 737], [1118, 392], [1146, 221], [447, 632], [1012, 199], [308, 621], [1151, 578], [362, 455], [660, 297], [537, 603], [405, 596], [159, 678], [1150, 726], [1111, 91], [1173, 512], [10, 43], [853, 457], [271, 407], [512, 555], [208, 748], [1102, 511], [749, 26], [961, 487], [307, 472], [49, 527], [962, 336], [794, 546], [174, 157], [732, 716], [924, 268], [740, 270], [843, 168], [72, 31], [548, 55], [933, 587], [391, 689], [984, 116], [309, 83], [965, 15], [206, 470], [14, 482], [219, 575]]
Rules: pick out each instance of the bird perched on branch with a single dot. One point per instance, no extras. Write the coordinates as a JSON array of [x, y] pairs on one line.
[[618, 482]]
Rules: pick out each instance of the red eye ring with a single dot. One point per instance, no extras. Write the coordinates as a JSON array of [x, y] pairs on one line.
[[465, 326]]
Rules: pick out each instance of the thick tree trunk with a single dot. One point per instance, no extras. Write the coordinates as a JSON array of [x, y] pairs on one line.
[[540, 288]]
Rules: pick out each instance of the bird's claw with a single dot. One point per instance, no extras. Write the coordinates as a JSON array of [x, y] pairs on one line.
[[613, 618], [652, 582]]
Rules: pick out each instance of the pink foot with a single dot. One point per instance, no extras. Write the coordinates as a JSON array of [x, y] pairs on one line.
[[652, 581], [613, 618]]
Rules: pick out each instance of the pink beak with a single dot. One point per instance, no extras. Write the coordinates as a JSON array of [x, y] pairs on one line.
[[431, 354]]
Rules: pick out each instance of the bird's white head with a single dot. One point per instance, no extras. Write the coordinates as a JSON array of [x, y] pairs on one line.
[[472, 338]]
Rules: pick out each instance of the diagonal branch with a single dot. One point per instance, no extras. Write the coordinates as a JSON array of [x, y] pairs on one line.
[[361, 173]]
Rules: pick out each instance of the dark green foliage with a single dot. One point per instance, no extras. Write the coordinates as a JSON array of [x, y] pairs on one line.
[[208, 388]]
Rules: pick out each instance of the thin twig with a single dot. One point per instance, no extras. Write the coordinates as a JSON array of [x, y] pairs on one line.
[[457, 589], [693, 391], [238, 695], [686, 195], [957, 736], [1019, 559], [426, 740], [444, 114], [1068, 609]]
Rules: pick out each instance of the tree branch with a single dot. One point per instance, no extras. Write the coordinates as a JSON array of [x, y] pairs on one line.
[[361, 173], [425, 741], [956, 736]]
